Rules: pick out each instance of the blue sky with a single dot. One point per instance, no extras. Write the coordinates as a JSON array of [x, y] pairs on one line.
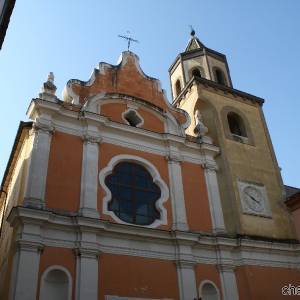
[[261, 40]]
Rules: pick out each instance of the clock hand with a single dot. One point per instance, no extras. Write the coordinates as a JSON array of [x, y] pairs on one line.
[[252, 197]]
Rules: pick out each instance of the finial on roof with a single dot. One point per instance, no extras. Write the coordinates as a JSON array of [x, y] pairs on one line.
[[51, 77], [48, 88], [193, 32]]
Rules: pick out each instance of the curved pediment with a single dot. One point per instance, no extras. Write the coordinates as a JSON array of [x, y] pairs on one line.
[[126, 78]]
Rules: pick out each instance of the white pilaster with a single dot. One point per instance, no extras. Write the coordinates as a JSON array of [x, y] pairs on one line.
[[89, 178], [214, 197], [37, 174], [25, 272], [186, 280], [87, 275], [177, 193], [228, 280]]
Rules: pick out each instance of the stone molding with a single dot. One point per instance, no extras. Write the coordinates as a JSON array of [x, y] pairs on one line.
[[91, 139], [156, 179], [153, 243], [40, 127]]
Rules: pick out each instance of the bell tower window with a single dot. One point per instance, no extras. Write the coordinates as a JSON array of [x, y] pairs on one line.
[[236, 124], [196, 73], [219, 76], [178, 87]]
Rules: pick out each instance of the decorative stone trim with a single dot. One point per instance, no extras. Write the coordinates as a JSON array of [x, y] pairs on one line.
[[156, 179], [87, 253], [90, 139], [45, 128], [174, 157], [209, 282], [210, 166], [66, 231], [61, 268], [133, 110]]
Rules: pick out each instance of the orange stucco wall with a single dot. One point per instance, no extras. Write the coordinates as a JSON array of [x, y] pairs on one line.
[[114, 112], [126, 79], [131, 276], [265, 283], [58, 256], [208, 272], [196, 199], [151, 122], [64, 172], [108, 151]]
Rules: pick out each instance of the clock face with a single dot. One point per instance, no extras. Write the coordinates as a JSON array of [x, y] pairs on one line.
[[253, 198]]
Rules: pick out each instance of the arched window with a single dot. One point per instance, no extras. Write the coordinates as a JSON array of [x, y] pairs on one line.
[[134, 194], [219, 76], [196, 72], [178, 87], [236, 124], [208, 291], [55, 284]]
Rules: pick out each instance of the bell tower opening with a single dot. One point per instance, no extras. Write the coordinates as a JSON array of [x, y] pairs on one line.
[[219, 76], [178, 87], [196, 72], [236, 124]]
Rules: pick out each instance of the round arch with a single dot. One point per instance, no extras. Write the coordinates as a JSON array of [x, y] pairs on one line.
[[219, 76], [248, 139], [209, 291], [56, 281]]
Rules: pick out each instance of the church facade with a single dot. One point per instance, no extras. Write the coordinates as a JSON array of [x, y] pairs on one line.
[[114, 193]]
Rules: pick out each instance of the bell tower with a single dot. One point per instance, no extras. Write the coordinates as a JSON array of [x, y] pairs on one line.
[[198, 61], [249, 179]]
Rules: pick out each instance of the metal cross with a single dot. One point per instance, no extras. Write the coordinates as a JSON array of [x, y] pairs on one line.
[[193, 32], [128, 38]]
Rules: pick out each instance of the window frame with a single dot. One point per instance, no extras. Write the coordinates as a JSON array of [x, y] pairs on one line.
[[133, 184], [129, 110], [156, 179]]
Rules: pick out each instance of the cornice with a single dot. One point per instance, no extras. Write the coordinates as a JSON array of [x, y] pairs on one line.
[[233, 251], [218, 87], [74, 122]]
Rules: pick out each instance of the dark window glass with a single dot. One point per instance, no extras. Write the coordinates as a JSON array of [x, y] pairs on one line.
[[236, 124], [134, 194]]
